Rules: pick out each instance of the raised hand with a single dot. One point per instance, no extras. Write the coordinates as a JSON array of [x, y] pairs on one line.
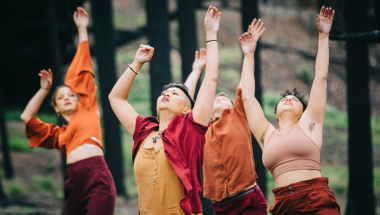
[[144, 54], [249, 39], [46, 79], [212, 19], [324, 20], [200, 60], [256, 29], [81, 18]]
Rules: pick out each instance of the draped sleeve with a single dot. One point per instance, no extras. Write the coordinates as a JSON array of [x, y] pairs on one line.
[[238, 104], [80, 76], [42, 134]]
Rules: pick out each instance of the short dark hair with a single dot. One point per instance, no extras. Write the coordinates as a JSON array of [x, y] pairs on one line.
[[52, 101], [295, 93], [181, 87], [225, 95]]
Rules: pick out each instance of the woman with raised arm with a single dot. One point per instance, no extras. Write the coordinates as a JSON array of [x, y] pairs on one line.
[[168, 150], [292, 153], [230, 178], [90, 188]]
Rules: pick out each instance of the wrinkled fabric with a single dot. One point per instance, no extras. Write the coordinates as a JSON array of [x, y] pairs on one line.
[[310, 197], [251, 203], [228, 156], [90, 188], [85, 122], [183, 142]]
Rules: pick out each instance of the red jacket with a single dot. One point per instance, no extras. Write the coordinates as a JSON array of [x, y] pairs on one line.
[[183, 143]]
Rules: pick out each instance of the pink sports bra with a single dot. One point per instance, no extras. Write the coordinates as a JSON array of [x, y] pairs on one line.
[[292, 151]]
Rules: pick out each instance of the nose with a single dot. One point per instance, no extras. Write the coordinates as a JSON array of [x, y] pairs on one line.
[[166, 94]]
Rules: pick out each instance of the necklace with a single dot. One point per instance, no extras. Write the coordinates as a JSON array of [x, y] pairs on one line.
[[157, 136]]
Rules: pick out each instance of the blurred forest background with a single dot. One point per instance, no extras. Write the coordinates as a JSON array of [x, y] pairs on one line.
[[38, 35]]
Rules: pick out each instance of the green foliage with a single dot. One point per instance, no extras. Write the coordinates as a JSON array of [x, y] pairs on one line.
[[230, 56], [51, 166], [15, 190], [305, 75], [15, 115], [230, 75], [43, 182]]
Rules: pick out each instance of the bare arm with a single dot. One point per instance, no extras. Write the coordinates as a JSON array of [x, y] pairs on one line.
[[81, 19], [318, 97], [205, 100], [198, 65], [31, 109], [255, 115], [119, 94]]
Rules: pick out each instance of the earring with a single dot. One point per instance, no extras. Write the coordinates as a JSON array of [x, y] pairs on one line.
[[58, 114], [158, 118]]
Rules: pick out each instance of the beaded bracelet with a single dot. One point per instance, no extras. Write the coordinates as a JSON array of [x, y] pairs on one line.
[[133, 69]]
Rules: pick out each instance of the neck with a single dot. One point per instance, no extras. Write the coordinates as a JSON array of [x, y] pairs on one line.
[[286, 122], [67, 117], [166, 118], [215, 115]]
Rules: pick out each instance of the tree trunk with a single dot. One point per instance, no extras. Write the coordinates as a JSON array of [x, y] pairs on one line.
[[158, 36], [360, 189], [250, 10], [8, 168], [105, 55], [56, 62], [188, 36]]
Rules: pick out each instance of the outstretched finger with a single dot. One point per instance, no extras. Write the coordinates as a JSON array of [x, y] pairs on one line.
[[257, 24], [253, 23], [261, 32], [196, 55], [329, 14], [322, 11], [332, 15], [326, 12], [260, 27], [219, 15]]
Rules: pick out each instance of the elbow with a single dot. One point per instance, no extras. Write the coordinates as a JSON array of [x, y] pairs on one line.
[[25, 118]]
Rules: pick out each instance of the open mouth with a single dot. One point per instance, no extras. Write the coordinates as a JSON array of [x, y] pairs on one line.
[[165, 99], [67, 103]]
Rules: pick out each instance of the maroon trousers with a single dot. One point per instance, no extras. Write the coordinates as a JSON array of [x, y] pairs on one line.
[[251, 201], [311, 197], [90, 188]]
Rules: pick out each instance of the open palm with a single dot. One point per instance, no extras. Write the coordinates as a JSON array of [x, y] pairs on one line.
[[324, 20], [46, 79], [81, 17], [144, 54], [200, 60], [212, 19]]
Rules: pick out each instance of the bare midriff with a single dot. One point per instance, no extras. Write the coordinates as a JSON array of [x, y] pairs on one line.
[[84, 151], [239, 192], [295, 176]]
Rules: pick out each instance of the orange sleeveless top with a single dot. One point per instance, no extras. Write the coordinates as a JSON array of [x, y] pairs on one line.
[[84, 125], [292, 151]]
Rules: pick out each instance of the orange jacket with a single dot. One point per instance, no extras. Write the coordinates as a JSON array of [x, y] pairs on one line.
[[85, 122]]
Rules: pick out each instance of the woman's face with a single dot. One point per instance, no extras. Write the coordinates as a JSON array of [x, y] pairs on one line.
[[173, 100], [66, 101], [290, 104], [221, 103]]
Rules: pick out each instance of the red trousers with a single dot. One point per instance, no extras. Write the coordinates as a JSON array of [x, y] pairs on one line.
[[251, 201], [90, 188], [309, 197]]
